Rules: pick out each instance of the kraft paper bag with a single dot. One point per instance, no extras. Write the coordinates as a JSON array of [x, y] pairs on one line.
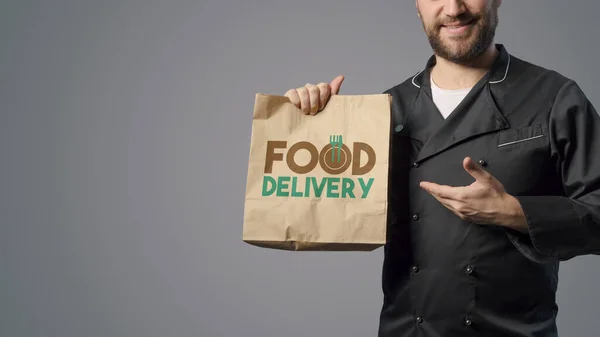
[[318, 182]]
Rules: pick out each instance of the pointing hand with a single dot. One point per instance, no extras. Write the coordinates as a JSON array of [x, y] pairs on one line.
[[483, 202]]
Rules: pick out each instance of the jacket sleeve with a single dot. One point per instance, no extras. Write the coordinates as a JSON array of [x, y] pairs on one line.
[[562, 227]]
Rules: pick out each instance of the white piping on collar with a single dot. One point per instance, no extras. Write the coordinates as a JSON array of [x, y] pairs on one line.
[[505, 72], [413, 79], [491, 82]]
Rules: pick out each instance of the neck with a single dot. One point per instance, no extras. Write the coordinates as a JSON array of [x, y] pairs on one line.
[[451, 76]]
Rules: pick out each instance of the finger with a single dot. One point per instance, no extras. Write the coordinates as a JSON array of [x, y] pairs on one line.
[[336, 84], [443, 201], [313, 94], [475, 170], [432, 188], [324, 91], [442, 191], [304, 99], [456, 205], [292, 94], [452, 205], [448, 203]]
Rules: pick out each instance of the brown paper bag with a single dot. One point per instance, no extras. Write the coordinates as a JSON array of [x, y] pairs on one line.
[[318, 182]]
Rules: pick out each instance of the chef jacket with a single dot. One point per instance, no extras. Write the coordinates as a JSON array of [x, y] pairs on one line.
[[536, 132]]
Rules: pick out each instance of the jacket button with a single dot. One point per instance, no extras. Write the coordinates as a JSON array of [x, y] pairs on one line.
[[415, 164], [468, 321], [415, 217], [419, 319], [482, 162], [469, 270], [415, 269]]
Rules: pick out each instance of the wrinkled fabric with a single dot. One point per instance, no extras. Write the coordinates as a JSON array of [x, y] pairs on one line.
[[538, 134]]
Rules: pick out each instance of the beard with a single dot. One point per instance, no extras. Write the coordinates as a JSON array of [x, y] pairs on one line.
[[467, 47]]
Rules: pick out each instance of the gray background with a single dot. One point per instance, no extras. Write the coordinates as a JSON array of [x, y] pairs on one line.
[[121, 216]]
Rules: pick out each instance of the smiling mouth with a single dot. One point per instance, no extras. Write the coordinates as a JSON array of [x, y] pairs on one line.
[[459, 25]]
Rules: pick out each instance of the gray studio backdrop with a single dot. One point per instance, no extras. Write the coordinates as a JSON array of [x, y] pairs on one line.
[[124, 132]]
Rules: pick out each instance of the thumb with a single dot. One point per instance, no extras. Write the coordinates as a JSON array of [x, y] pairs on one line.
[[474, 170], [336, 84]]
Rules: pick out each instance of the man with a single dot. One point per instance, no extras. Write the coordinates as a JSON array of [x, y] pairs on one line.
[[494, 179]]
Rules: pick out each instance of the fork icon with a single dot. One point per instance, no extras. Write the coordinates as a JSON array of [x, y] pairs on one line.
[[336, 141]]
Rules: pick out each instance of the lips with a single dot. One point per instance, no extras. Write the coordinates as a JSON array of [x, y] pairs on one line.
[[456, 25]]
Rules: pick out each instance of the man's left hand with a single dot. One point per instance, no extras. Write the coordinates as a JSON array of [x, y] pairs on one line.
[[483, 202]]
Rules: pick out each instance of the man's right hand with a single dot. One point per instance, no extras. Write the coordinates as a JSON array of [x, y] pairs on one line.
[[313, 98]]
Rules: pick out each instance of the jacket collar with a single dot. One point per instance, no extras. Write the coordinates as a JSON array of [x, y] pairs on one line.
[[497, 74], [477, 114]]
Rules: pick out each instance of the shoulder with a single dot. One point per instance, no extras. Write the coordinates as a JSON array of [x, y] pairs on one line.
[[528, 74], [552, 95], [558, 91], [404, 95], [405, 88]]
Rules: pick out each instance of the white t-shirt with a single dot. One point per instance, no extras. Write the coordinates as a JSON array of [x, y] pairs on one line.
[[447, 100]]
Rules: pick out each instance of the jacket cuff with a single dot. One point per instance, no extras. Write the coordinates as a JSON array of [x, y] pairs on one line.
[[524, 245], [554, 230]]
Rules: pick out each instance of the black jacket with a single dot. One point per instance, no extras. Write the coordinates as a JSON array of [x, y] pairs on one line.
[[538, 134]]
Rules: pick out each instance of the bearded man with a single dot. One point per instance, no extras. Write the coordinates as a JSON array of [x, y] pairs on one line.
[[494, 180]]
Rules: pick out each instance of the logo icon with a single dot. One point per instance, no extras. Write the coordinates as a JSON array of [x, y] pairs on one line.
[[336, 142]]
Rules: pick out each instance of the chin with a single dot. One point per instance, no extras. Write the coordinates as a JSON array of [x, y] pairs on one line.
[[460, 42], [458, 48]]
